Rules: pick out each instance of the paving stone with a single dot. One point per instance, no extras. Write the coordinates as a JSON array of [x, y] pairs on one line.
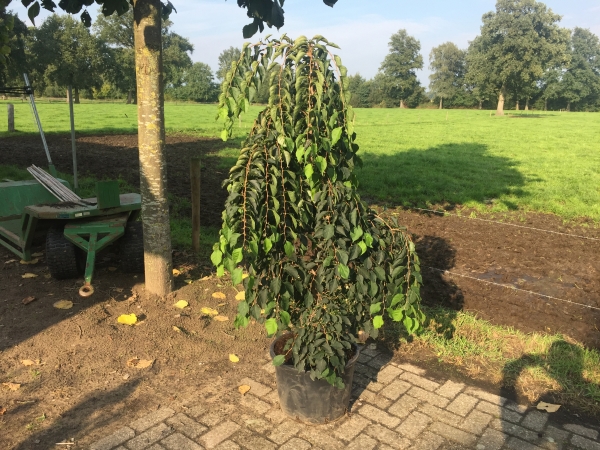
[[373, 398], [514, 430], [429, 397], [370, 350], [252, 402], [582, 431], [185, 425], [453, 434], [152, 419], [491, 440], [378, 415], [412, 369], [276, 416], [395, 389], [499, 411], [462, 404], [351, 427], [556, 434], [379, 361], [521, 409], [535, 420], [256, 388], [295, 444], [413, 425], [483, 395], [118, 437], [441, 415], [476, 422], [364, 358], [450, 389], [149, 437], [272, 397], [361, 380], [269, 367], [517, 444], [388, 374], [213, 415], [285, 431], [385, 436], [321, 439], [155, 447], [259, 425], [365, 370], [253, 441], [227, 445], [419, 381], [584, 443], [375, 386], [428, 441], [219, 434], [362, 442], [404, 406], [178, 441]]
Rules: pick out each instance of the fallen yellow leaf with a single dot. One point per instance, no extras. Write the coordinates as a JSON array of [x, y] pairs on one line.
[[127, 319], [209, 311], [221, 304], [233, 358], [243, 389], [29, 275], [176, 329], [244, 276], [12, 386], [10, 261], [63, 304], [140, 363], [176, 272], [37, 255], [240, 296], [181, 304], [189, 281], [221, 318], [2, 410], [28, 300], [112, 269], [28, 362], [219, 295], [33, 261]]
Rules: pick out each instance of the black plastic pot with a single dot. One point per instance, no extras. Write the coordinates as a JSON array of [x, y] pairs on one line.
[[312, 401]]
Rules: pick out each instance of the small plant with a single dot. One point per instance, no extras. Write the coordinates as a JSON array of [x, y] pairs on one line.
[[321, 264]]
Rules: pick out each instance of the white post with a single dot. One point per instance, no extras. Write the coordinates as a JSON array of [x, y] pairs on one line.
[[73, 145]]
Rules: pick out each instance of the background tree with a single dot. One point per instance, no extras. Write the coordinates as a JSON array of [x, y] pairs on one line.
[[197, 84], [67, 54], [360, 89], [519, 42], [447, 62], [226, 57], [399, 66], [13, 64]]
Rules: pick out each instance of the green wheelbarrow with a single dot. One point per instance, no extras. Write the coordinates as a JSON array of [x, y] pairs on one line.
[[75, 233]]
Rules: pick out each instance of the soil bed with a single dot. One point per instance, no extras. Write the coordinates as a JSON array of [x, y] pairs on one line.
[[83, 387]]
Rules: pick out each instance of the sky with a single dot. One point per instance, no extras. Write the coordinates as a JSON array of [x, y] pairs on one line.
[[362, 28]]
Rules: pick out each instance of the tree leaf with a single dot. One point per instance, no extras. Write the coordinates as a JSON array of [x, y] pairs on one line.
[[240, 296], [336, 134], [236, 276], [309, 171], [375, 308], [181, 304], [64, 304], [271, 326], [344, 271], [209, 311], [356, 234], [127, 319], [377, 322], [279, 360], [289, 249]]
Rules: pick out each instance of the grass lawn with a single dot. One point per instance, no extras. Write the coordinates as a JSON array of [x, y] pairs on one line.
[[545, 162]]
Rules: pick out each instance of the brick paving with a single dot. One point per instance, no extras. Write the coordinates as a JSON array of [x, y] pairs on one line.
[[394, 406]]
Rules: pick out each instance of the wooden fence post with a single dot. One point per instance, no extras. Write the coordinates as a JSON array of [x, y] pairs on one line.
[[195, 183], [11, 117]]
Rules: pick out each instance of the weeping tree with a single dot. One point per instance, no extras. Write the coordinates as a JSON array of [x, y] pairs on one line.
[[147, 17], [321, 264]]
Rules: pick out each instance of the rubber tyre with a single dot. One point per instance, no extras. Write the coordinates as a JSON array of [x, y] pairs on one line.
[[64, 259], [132, 248]]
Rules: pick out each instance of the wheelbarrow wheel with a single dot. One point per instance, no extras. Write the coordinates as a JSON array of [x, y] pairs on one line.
[[132, 248], [64, 259]]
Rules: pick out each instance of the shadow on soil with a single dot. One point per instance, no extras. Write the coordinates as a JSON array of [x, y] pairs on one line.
[[449, 174], [95, 412]]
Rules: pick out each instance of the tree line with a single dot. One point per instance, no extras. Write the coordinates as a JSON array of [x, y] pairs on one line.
[[521, 59]]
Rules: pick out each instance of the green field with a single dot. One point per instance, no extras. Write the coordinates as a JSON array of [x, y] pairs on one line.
[[547, 162]]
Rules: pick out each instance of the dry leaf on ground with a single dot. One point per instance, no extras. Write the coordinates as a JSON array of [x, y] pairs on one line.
[[140, 363], [233, 358], [240, 296], [209, 311], [549, 407], [2, 410], [27, 263], [12, 386], [47, 276], [127, 319], [37, 255], [244, 276], [176, 329], [176, 272], [188, 281], [221, 304], [243, 389], [112, 269], [221, 318], [219, 295], [181, 304], [29, 362], [208, 277], [10, 261], [63, 304], [28, 300], [29, 275]]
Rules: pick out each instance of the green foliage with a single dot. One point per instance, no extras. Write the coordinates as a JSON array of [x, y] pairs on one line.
[[318, 257], [227, 57], [447, 63], [196, 84], [13, 62]]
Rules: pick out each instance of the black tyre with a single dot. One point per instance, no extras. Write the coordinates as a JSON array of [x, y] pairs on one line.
[[64, 259], [132, 248]]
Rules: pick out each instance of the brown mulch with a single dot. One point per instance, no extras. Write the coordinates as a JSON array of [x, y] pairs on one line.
[[83, 386]]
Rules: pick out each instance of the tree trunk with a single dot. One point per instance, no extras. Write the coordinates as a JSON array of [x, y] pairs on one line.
[[158, 262], [501, 98], [480, 104], [568, 106], [545, 104], [129, 97], [527, 104], [441, 102], [517, 107], [402, 105], [76, 95], [68, 100]]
